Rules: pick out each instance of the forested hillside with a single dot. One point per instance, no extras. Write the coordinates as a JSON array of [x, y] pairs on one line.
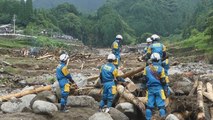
[[85, 6], [182, 19]]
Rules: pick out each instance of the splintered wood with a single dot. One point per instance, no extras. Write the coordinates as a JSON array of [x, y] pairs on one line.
[[209, 93]]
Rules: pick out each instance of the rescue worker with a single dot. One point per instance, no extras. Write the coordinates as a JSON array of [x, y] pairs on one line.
[[155, 81], [166, 65], [156, 47], [116, 49], [64, 79], [108, 75], [148, 43]]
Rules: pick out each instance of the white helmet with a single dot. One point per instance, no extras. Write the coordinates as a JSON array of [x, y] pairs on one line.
[[155, 37], [155, 56], [148, 40], [111, 57], [119, 37], [64, 57]]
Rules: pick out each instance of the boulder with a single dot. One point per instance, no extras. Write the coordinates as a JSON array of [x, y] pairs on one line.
[[128, 109], [41, 96], [82, 101], [52, 98], [171, 117], [117, 115], [17, 105], [27, 99], [43, 107], [100, 116]]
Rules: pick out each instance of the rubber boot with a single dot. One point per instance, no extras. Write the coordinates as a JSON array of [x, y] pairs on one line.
[[63, 109]]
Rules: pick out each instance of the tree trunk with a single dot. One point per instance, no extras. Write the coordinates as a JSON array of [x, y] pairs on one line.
[[130, 97], [201, 115], [211, 112], [194, 88], [26, 92]]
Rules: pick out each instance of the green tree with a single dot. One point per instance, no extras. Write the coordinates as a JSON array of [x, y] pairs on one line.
[[71, 25]]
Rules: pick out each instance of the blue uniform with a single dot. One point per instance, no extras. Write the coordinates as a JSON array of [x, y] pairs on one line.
[[116, 49], [156, 48], [166, 65], [155, 93], [108, 73], [63, 77]]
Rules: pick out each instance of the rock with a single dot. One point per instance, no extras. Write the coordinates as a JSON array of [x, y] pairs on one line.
[[52, 98], [117, 115], [128, 109], [13, 99], [79, 79], [100, 116], [16, 91], [82, 101], [171, 117], [28, 88], [41, 96], [125, 107], [43, 107], [22, 82], [27, 99], [17, 105], [9, 107], [179, 92]]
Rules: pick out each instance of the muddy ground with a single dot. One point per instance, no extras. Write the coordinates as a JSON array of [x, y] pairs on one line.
[[27, 69]]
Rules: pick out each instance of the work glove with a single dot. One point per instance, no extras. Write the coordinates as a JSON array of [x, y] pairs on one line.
[[73, 86], [71, 81]]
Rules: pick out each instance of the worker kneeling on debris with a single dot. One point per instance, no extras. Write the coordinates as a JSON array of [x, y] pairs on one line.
[[155, 82], [64, 78], [107, 76]]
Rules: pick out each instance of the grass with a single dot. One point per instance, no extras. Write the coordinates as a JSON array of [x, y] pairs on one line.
[[29, 42], [199, 41], [14, 43]]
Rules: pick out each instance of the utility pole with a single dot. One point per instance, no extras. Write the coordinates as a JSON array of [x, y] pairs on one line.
[[14, 24]]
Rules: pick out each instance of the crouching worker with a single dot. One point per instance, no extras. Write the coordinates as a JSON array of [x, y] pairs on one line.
[[64, 79], [155, 82], [108, 75]]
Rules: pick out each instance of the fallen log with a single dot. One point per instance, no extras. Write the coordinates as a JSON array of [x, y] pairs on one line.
[[209, 93], [123, 75], [211, 112], [201, 114], [132, 72], [45, 56], [26, 92], [194, 87], [130, 97]]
